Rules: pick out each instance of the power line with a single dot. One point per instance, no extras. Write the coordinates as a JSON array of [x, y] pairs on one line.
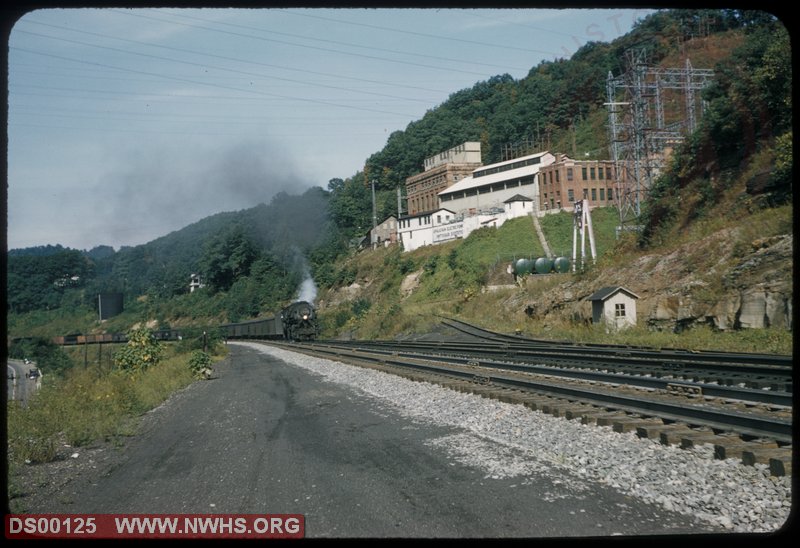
[[257, 63], [206, 66], [327, 50], [414, 33], [370, 47], [184, 80]]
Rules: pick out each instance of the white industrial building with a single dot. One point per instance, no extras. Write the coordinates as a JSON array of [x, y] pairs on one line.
[[418, 230], [439, 226], [490, 186]]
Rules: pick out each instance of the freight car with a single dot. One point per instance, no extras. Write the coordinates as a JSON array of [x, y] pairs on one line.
[[262, 328], [100, 338]]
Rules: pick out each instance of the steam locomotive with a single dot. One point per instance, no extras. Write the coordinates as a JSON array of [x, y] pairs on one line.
[[296, 322]]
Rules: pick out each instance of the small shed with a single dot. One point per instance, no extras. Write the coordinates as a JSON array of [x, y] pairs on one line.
[[615, 306], [517, 206]]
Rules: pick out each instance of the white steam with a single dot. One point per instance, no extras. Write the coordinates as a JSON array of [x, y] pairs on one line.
[[308, 289]]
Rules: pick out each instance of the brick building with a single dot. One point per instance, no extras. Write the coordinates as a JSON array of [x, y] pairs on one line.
[[566, 181], [441, 171]]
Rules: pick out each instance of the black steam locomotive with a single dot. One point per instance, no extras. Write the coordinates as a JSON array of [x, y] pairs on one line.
[[300, 322], [296, 322]]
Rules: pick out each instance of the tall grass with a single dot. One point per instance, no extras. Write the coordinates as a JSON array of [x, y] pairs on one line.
[[89, 404]]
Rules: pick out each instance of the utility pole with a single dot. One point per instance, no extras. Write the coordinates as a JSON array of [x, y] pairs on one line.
[[399, 202], [574, 148], [374, 217], [374, 206]]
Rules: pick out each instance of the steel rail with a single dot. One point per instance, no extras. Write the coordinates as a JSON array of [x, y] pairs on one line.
[[780, 362], [770, 397], [509, 358], [741, 423]]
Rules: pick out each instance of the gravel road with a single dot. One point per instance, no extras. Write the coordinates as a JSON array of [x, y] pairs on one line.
[[365, 454]]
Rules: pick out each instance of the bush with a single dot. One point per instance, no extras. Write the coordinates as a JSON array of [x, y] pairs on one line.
[[140, 352], [199, 361]]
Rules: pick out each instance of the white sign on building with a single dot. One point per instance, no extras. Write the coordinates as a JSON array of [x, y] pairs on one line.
[[448, 232]]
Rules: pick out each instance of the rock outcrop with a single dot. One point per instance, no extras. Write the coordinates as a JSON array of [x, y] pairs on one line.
[[756, 292]]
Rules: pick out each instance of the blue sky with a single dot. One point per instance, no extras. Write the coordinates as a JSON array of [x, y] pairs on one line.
[[125, 125]]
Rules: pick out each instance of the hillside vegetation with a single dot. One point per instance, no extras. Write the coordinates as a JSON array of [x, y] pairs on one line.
[[727, 187]]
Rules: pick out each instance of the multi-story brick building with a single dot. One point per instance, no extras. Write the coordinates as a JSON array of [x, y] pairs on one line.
[[566, 181], [441, 171]]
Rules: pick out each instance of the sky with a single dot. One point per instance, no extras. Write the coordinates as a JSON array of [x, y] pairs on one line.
[[127, 124]]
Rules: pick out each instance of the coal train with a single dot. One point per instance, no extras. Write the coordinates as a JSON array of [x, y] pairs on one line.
[[296, 322], [76, 338]]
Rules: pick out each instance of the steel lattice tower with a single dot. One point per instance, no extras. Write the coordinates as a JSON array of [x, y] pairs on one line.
[[647, 117]]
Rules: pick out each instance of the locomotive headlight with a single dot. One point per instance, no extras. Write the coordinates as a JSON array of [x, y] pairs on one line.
[[305, 316]]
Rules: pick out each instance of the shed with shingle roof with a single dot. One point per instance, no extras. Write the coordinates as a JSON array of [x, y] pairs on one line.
[[615, 306]]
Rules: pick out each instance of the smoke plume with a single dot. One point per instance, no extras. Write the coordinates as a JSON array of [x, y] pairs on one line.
[[308, 289]]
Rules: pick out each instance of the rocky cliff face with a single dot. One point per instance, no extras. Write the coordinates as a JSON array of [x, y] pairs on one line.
[[715, 282]]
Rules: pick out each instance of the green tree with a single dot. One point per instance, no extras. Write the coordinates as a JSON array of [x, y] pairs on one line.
[[228, 257], [351, 204]]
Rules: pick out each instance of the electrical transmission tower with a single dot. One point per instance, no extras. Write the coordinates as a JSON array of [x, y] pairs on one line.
[[650, 110]]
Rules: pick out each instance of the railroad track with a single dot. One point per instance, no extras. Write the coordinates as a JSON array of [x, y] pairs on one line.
[[758, 371], [752, 424]]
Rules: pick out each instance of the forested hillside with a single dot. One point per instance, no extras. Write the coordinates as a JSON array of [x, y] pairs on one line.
[[253, 260]]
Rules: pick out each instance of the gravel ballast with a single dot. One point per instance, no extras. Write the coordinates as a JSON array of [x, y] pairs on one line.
[[511, 440]]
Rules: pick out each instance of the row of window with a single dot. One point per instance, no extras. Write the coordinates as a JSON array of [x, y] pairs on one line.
[[504, 185], [554, 201], [587, 174], [515, 165], [406, 223]]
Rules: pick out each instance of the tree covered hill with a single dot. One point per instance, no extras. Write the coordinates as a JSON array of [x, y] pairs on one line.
[[558, 106]]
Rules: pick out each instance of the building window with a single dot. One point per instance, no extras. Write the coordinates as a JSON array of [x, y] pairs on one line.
[[602, 194], [585, 193], [570, 195], [558, 179], [610, 195], [438, 219], [591, 171], [594, 194], [600, 173], [569, 174], [619, 310], [583, 173]]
